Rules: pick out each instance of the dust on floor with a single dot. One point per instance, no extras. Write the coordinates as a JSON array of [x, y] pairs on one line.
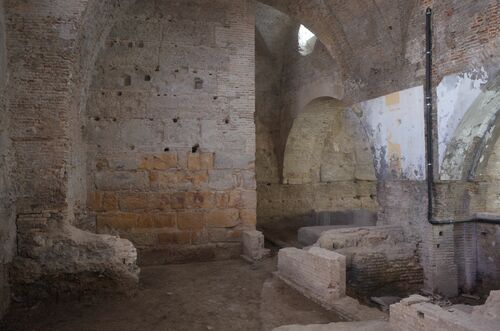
[[225, 295]]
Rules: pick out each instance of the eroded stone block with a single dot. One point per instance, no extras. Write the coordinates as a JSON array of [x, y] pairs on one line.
[[253, 245], [317, 273]]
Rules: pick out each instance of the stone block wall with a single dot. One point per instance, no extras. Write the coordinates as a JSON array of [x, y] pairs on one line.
[[170, 126]]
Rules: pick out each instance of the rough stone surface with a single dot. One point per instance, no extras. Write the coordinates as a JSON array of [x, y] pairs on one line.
[[417, 313], [253, 245], [57, 259]]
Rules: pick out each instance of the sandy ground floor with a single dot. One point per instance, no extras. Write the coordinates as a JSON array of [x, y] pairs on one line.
[[226, 295]]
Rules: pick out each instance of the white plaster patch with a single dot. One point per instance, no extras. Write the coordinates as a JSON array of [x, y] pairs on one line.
[[396, 126], [455, 95]]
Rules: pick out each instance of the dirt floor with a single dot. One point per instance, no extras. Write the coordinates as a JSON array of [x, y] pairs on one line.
[[226, 295]]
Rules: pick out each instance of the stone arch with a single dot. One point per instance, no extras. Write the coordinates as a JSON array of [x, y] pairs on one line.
[[467, 152], [327, 143]]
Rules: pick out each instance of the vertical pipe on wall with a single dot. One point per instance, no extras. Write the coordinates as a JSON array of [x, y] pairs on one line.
[[429, 117]]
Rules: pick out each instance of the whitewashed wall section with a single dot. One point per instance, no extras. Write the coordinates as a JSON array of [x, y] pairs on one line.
[[455, 95], [396, 126]]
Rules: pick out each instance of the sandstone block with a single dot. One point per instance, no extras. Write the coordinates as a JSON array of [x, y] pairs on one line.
[[102, 201], [223, 218], [116, 221], [175, 238], [121, 180], [253, 245], [165, 220], [190, 221], [159, 162], [248, 217], [200, 161], [144, 201]]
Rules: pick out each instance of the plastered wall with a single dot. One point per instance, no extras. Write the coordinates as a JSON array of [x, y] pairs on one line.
[[170, 127]]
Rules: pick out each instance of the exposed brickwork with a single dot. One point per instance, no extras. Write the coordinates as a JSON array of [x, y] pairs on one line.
[[381, 260]]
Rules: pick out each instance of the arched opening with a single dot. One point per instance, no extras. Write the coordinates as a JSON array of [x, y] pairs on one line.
[[328, 174], [307, 41]]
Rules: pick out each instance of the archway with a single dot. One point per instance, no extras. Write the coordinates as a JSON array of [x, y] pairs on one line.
[[328, 175]]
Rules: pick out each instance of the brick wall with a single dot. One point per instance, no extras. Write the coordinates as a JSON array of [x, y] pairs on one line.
[[170, 130], [7, 214]]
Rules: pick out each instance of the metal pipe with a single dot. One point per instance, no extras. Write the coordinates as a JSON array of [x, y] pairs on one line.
[[429, 124], [484, 218]]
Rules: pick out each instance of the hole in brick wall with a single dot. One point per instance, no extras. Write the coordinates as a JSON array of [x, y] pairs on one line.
[[226, 121], [175, 120], [140, 44], [147, 78], [438, 245], [216, 97], [195, 148], [130, 44], [126, 80], [372, 196], [195, 71], [268, 184], [166, 149], [120, 93], [157, 68], [176, 70], [132, 147], [198, 83], [440, 233], [420, 314], [114, 119], [390, 27], [97, 118]]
